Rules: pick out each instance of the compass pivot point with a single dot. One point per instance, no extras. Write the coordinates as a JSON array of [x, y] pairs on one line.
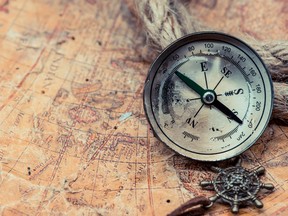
[[209, 97]]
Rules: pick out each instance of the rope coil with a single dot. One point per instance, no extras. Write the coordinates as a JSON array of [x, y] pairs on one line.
[[164, 21]]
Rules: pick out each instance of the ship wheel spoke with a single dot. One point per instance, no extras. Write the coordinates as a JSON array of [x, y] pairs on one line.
[[236, 185]]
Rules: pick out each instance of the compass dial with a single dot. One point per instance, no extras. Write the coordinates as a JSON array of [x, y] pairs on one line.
[[208, 96]]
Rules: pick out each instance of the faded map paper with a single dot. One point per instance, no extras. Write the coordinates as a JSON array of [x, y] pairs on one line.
[[74, 139]]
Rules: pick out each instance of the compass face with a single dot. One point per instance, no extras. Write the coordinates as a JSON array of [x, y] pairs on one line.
[[208, 96]]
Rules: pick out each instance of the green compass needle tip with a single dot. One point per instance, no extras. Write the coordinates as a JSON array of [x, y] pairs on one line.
[[193, 85]]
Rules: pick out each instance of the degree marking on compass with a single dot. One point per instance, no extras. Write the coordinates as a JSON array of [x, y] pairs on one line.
[[224, 136], [179, 65], [191, 136], [238, 66]]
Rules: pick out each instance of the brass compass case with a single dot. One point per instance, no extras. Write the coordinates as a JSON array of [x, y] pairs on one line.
[[208, 96]]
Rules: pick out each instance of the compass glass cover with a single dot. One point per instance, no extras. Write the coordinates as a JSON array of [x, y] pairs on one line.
[[208, 96]]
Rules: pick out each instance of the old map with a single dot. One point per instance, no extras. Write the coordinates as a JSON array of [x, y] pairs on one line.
[[74, 139]]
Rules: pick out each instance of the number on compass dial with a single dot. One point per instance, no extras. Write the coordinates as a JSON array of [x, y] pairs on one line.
[[208, 96]]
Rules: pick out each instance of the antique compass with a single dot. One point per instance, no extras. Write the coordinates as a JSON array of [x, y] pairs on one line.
[[209, 97]]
